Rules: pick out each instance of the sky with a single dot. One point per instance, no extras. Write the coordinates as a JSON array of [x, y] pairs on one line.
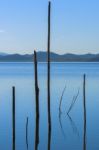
[[74, 26]]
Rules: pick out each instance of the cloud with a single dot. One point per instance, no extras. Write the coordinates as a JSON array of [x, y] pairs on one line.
[[2, 31]]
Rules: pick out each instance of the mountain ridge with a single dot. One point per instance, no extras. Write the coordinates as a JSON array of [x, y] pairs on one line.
[[42, 57]]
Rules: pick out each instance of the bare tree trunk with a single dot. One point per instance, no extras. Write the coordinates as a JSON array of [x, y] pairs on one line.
[[48, 80], [13, 118], [36, 102], [84, 106]]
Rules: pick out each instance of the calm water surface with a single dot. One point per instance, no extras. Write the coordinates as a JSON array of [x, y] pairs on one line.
[[67, 131]]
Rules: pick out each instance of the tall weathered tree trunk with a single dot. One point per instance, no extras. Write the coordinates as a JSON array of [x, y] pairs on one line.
[[84, 106], [13, 118], [48, 80], [36, 102]]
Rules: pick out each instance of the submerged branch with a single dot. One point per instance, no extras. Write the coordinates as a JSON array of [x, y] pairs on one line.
[[73, 102], [61, 99]]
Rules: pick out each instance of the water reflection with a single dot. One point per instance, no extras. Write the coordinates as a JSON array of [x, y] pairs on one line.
[[49, 137], [61, 125], [73, 125], [27, 133], [37, 133], [60, 111]]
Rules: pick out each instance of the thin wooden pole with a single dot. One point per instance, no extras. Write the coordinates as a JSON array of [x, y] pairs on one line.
[[84, 106], [48, 80], [13, 118], [36, 102]]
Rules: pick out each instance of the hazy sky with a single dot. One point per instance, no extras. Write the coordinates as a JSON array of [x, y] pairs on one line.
[[75, 26]]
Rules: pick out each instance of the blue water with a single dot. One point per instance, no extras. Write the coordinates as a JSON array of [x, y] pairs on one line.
[[67, 133]]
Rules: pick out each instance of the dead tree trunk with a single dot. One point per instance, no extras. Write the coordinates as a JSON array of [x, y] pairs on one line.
[[48, 74], [84, 106], [13, 118], [36, 102]]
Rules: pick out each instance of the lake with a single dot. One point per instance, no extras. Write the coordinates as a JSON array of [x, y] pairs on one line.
[[71, 132]]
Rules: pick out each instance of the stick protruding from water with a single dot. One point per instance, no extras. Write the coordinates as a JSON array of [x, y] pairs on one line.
[[13, 118], [84, 107], [36, 102], [48, 75]]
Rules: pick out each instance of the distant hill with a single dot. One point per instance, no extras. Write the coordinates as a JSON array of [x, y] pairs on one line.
[[42, 57], [3, 54]]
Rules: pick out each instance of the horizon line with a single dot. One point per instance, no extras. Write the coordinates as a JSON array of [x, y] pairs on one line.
[[18, 53]]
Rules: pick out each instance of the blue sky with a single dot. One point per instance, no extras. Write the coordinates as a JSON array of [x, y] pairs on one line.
[[75, 26]]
